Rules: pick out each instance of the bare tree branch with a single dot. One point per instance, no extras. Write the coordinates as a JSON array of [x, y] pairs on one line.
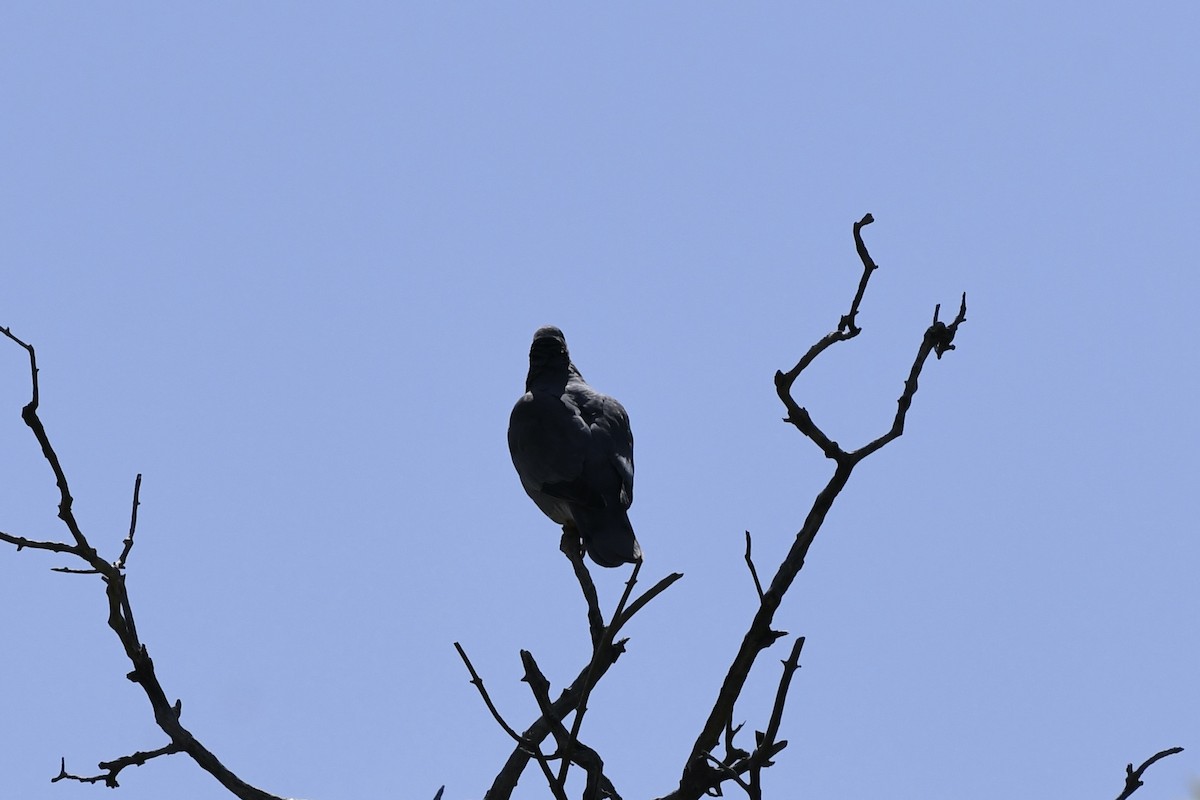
[[21, 542], [112, 768], [581, 708], [569, 545], [477, 682], [767, 739], [598, 785], [128, 543], [605, 655], [1133, 777], [120, 612], [753, 571], [698, 775]]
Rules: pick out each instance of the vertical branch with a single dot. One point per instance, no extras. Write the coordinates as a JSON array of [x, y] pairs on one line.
[[128, 543]]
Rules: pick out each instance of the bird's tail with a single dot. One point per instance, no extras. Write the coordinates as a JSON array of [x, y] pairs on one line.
[[607, 536]]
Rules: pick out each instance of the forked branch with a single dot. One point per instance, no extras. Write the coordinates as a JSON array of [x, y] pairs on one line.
[[120, 616], [1133, 777], [699, 775]]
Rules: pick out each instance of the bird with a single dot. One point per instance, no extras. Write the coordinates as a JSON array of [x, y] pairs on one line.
[[573, 450]]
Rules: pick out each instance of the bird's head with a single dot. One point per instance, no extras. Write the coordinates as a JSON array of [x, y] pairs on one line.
[[548, 354]]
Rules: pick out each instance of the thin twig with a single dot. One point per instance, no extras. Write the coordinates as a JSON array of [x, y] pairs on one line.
[[753, 571], [790, 665], [609, 632], [128, 542], [644, 598], [114, 767], [937, 337], [477, 682], [21, 542], [846, 324], [569, 545], [30, 416], [1133, 777]]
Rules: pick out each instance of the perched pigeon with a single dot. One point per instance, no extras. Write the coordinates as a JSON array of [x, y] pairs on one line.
[[573, 449]]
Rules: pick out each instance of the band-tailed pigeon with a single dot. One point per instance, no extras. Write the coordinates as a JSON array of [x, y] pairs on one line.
[[573, 449]]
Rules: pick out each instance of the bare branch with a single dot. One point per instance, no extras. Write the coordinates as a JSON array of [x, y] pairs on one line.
[[698, 776], [767, 740], [30, 416], [605, 655], [21, 542], [753, 571], [505, 781], [120, 610], [477, 682], [1133, 777], [569, 545], [581, 709], [128, 543], [114, 767], [847, 322], [644, 598], [597, 784], [847, 329]]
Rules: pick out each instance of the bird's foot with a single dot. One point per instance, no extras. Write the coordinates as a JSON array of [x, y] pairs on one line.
[[571, 543]]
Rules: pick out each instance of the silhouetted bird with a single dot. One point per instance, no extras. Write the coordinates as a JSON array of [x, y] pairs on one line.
[[573, 449]]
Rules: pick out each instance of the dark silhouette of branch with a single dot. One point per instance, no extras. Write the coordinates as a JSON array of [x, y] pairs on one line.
[[569, 545], [120, 615], [753, 571], [699, 776], [766, 740], [477, 682], [112, 768], [598, 785], [603, 657], [1133, 777], [581, 708], [532, 748], [128, 543]]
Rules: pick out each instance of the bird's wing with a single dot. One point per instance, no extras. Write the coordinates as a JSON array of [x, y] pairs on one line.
[[549, 443], [609, 464]]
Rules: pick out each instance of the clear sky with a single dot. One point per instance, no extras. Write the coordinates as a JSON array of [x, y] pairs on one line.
[[286, 261]]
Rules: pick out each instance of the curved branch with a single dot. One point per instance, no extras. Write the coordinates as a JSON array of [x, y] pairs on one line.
[[1133, 777]]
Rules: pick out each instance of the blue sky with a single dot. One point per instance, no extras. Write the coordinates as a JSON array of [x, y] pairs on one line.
[[286, 260]]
